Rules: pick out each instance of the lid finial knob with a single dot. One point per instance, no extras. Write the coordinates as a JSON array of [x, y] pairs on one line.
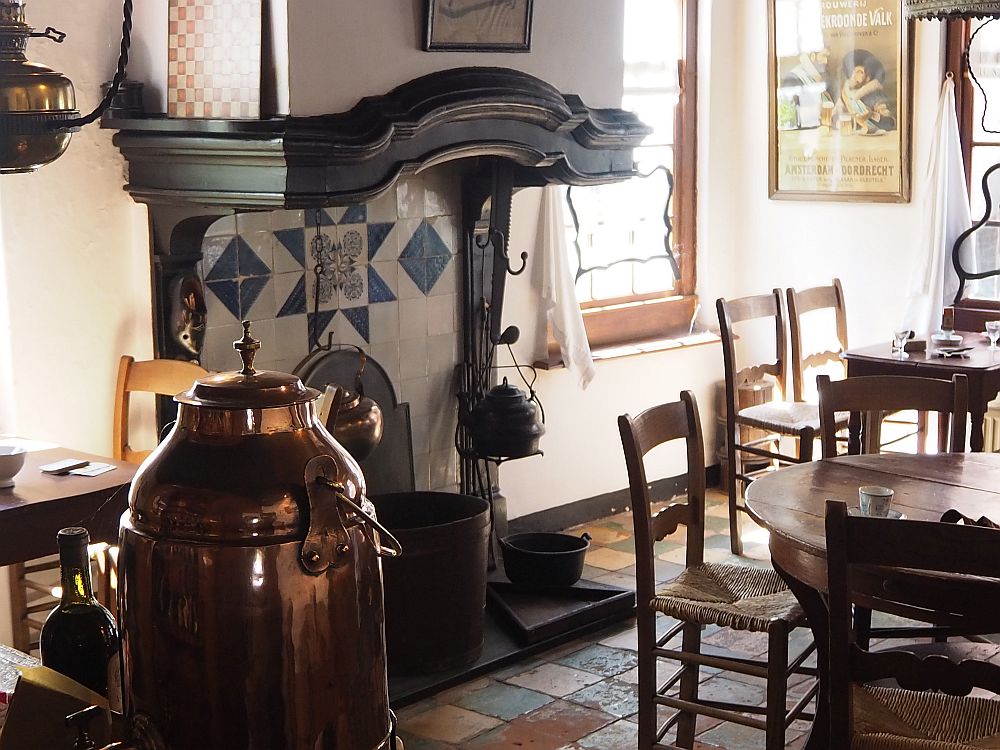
[[247, 347]]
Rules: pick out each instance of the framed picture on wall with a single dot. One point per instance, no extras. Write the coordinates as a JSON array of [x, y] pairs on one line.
[[478, 25], [839, 80]]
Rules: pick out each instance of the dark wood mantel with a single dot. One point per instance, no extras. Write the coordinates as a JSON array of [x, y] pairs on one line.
[[351, 157]]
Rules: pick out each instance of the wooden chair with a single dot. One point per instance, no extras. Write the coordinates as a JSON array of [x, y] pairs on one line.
[[31, 582], [931, 571], [801, 304], [164, 377], [868, 399], [733, 596], [777, 418]]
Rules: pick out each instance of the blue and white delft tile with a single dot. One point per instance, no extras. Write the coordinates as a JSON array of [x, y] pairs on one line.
[[262, 245], [220, 258], [257, 298], [250, 261], [289, 249], [320, 215], [382, 243], [382, 282], [324, 325], [352, 326], [425, 257], [290, 338], [290, 294], [222, 303], [287, 219]]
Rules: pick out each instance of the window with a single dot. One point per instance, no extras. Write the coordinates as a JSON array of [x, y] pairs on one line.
[[633, 243], [979, 125]]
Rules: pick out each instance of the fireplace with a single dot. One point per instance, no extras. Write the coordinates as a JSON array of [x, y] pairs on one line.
[[389, 196]]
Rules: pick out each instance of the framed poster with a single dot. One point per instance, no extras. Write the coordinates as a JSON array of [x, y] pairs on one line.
[[478, 25], [839, 79]]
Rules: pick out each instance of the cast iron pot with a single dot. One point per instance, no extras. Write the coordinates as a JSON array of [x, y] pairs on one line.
[[544, 559]]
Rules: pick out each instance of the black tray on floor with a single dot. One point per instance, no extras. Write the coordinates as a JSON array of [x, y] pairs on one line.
[[535, 614]]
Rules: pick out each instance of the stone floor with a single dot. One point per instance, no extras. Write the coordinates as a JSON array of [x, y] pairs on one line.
[[583, 694]]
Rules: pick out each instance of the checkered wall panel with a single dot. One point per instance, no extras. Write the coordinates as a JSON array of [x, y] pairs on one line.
[[214, 49]]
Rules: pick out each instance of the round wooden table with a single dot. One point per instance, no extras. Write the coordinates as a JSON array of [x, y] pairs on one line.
[[791, 505]]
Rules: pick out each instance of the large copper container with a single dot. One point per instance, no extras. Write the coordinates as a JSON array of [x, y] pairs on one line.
[[251, 592]]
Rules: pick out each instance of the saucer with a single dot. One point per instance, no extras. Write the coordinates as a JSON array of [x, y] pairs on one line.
[[893, 513]]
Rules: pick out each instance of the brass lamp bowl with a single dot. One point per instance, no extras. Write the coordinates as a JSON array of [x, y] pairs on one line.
[[31, 97], [34, 99]]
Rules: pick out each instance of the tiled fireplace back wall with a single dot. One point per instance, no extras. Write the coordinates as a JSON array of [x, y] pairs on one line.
[[390, 284]]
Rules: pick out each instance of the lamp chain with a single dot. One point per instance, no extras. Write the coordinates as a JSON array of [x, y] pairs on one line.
[[116, 82]]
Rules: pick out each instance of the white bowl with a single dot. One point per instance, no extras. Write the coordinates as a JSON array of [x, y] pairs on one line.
[[11, 461]]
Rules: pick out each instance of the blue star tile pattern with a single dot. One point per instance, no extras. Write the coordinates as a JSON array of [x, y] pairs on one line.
[[227, 266], [378, 290], [295, 304], [434, 246], [416, 269], [359, 319], [250, 289], [357, 214], [228, 293], [293, 240], [425, 257], [318, 214], [322, 321], [250, 263], [377, 234]]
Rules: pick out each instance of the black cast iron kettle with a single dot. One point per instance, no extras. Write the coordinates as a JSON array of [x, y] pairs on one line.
[[505, 423]]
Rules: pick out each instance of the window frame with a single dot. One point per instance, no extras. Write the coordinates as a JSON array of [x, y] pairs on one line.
[[970, 311], [650, 316]]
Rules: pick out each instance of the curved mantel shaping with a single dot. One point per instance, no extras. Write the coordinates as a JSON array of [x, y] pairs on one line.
[[337, 159]]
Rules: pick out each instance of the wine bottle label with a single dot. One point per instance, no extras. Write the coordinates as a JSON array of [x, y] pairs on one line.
[[115, 683]]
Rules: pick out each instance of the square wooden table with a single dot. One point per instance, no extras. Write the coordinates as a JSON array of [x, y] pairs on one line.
[[981, 366], [38, 505]]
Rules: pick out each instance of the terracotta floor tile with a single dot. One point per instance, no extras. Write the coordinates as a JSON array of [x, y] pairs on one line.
[[449, 724], [609, 559], [603, 532], [620, 699], [601, 660], [615, 578], [622, 735], [515, 735], [503, 701], [567, 721], [554, 679], [419, 743]]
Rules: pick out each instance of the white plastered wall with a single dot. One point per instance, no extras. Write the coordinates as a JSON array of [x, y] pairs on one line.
[[76, 255]]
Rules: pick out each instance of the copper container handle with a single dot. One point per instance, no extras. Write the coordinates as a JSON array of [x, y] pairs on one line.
[[394, 548]]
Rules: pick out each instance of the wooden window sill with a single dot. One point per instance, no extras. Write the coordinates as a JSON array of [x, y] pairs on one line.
[[603, 353]]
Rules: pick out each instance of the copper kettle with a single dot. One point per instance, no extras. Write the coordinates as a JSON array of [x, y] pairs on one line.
[[357, 421], [353, 418]]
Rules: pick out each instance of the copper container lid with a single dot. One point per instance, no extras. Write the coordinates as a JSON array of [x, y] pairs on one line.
[[247, 388]]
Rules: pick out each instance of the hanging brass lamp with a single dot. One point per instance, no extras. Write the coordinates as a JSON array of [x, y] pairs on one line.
[[38, 112], [950, 9]]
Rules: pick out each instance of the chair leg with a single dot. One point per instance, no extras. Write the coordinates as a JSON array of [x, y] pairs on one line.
[[646, 626], [777, 687], [689, 686], [735, 467], [862, 627]]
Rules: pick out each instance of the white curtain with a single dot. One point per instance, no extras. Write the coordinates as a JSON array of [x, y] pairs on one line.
[[558, 292], [946, 215]]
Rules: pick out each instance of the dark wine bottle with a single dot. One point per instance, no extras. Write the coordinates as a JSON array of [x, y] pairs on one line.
[[80, 637]]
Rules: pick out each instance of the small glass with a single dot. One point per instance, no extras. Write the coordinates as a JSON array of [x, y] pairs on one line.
[[993, 331], [899, 338]]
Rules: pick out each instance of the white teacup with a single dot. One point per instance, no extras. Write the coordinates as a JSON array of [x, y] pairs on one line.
[[11, 461], [874, 500]]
